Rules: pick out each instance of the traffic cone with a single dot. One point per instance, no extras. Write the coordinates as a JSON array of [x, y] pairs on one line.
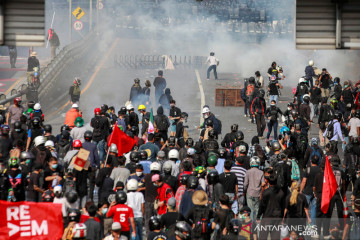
[[345, 210]]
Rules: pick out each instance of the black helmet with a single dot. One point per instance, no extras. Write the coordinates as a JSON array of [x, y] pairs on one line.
[[337, 80], [17, 126], [306, 98], [290, 104], [74, 215], [261, 93], [275, 145], [324, 99], [48, 128], [88, 135], [235, 226], [338, 115], [171, 141], [65, 135], [212, 54], [48, 196], [192, 182], [294, 113], [211, 133], [234, 127], [134, 129], [64, 128], [184, 178], [209, 123], [239, 135], [251, 80], [104, 108], [31, 104], [190, 142], [213, 177], [36, 121], [183, 230], [222, 153], [143, 155], [135, 157], [122, 110], [121, 197], [26, 155], [257, 73], [154, 223], [71, 197], [184, 115]]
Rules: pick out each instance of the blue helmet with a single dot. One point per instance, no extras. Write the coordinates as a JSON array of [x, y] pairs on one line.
[[284, 130]]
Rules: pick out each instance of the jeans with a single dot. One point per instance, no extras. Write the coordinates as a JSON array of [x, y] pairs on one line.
[[312, 208], [270, 125], [346, 139], [260, 124], [101, 149], [138, 228], [149, 212], [316, 109], [253, 204], [273, 97], [212, 67], [235, 207]]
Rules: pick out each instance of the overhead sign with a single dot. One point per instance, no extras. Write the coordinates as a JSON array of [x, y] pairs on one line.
[[78, 13], [100, 5], [78, 25]]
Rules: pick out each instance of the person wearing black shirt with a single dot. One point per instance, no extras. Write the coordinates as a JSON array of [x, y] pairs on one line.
[[229, 138], [347, 94], [258, 107], [53, 173], [160, 85], [230, 184], [223, 215], [272, 70], [135, 92], [273, 89], [101, 127], [5, 144], [352, 223], [325, 81], [174, 117], [169, 219], [34, 184], [32, 63], [272, 115], [315, 93]]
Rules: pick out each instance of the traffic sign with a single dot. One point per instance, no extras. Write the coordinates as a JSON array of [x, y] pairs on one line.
[[78, 13], [78, 25], [100, 5]]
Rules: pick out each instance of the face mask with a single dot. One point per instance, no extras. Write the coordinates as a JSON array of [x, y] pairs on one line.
[[273, 105], [205, 116], [155, 185], [289, 109], [104, 211], [242, 216], [57, 194], [54, 166], [345, 86], [172, 105], [335, 83], [138, 174], [27, 161]]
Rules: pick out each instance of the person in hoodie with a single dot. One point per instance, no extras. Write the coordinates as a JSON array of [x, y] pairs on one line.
[[79, 130], [63, 146], [135, 91], [310, 73], [165, 100], [162, 123]]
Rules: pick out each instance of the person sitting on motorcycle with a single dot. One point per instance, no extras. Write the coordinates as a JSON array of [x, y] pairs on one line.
[[33, 62]]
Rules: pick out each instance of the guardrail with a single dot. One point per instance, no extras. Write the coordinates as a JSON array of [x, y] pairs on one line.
[[157, 61], [50, 73]]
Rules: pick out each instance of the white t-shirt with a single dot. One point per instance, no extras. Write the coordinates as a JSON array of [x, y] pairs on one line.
[[354, 123], [134, 200], [212, 60]]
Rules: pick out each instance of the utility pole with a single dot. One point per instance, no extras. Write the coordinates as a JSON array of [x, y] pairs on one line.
[[70, 20], [91, 14]]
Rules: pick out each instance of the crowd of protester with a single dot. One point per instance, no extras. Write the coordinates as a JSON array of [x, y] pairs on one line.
[[170, 186]]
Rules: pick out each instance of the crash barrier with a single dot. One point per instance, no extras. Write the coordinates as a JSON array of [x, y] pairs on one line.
[[49, 74], [158, 61]]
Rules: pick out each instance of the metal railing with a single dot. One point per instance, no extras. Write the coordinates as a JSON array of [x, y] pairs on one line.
[[50, 73]]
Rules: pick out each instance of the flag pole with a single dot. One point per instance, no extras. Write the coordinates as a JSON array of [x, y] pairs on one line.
[[52, 22], [107, 155]]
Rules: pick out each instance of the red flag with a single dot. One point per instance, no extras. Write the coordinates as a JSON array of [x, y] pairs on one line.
[[50, 33], [30, 220], [329, 186], [123, 142]]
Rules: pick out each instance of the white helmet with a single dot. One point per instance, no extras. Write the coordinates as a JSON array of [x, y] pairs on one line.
[[301, 80], [113, 148], [129, 107], [174, 154], [254, 161], [37, 106], [49, 143], [57, 189], [132, 185], [206, 110], [311, 63], [75, 106], [167, 166], [79, 231], [191, 151], [155, 166], [39, 140]]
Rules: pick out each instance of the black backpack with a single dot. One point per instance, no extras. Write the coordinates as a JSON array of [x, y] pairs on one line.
[[328, 114], [301, 143], [330, 130], [69, 186], [201, 222], [217, 125], [279, 170], [163, 123], [97, 127], [259, 152]]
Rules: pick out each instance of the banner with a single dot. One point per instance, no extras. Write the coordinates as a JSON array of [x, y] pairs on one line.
[[29, 220]]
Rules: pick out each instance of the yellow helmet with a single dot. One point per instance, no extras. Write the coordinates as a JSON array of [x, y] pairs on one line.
[[141, 107]]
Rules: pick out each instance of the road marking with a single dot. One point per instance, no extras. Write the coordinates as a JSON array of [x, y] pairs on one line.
[[91, 78], [14, 84], [201, 93]]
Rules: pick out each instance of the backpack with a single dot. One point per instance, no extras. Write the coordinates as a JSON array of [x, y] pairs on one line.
[[62, 150], [97, 127], [301, 143], [162, 124], [243, 94], [217, 125], [328, 114], [259, 152], [280, 173], [250, 90], [69, 186], [295, 170], [330, 130], [41, 157], [317, 153], [201, 222]]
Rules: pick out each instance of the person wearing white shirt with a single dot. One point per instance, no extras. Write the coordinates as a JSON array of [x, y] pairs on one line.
[[354, 125], [136, 201], [213, 63]]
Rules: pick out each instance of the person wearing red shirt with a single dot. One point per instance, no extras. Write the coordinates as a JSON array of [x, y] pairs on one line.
[[164, 192], [122, 213]]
